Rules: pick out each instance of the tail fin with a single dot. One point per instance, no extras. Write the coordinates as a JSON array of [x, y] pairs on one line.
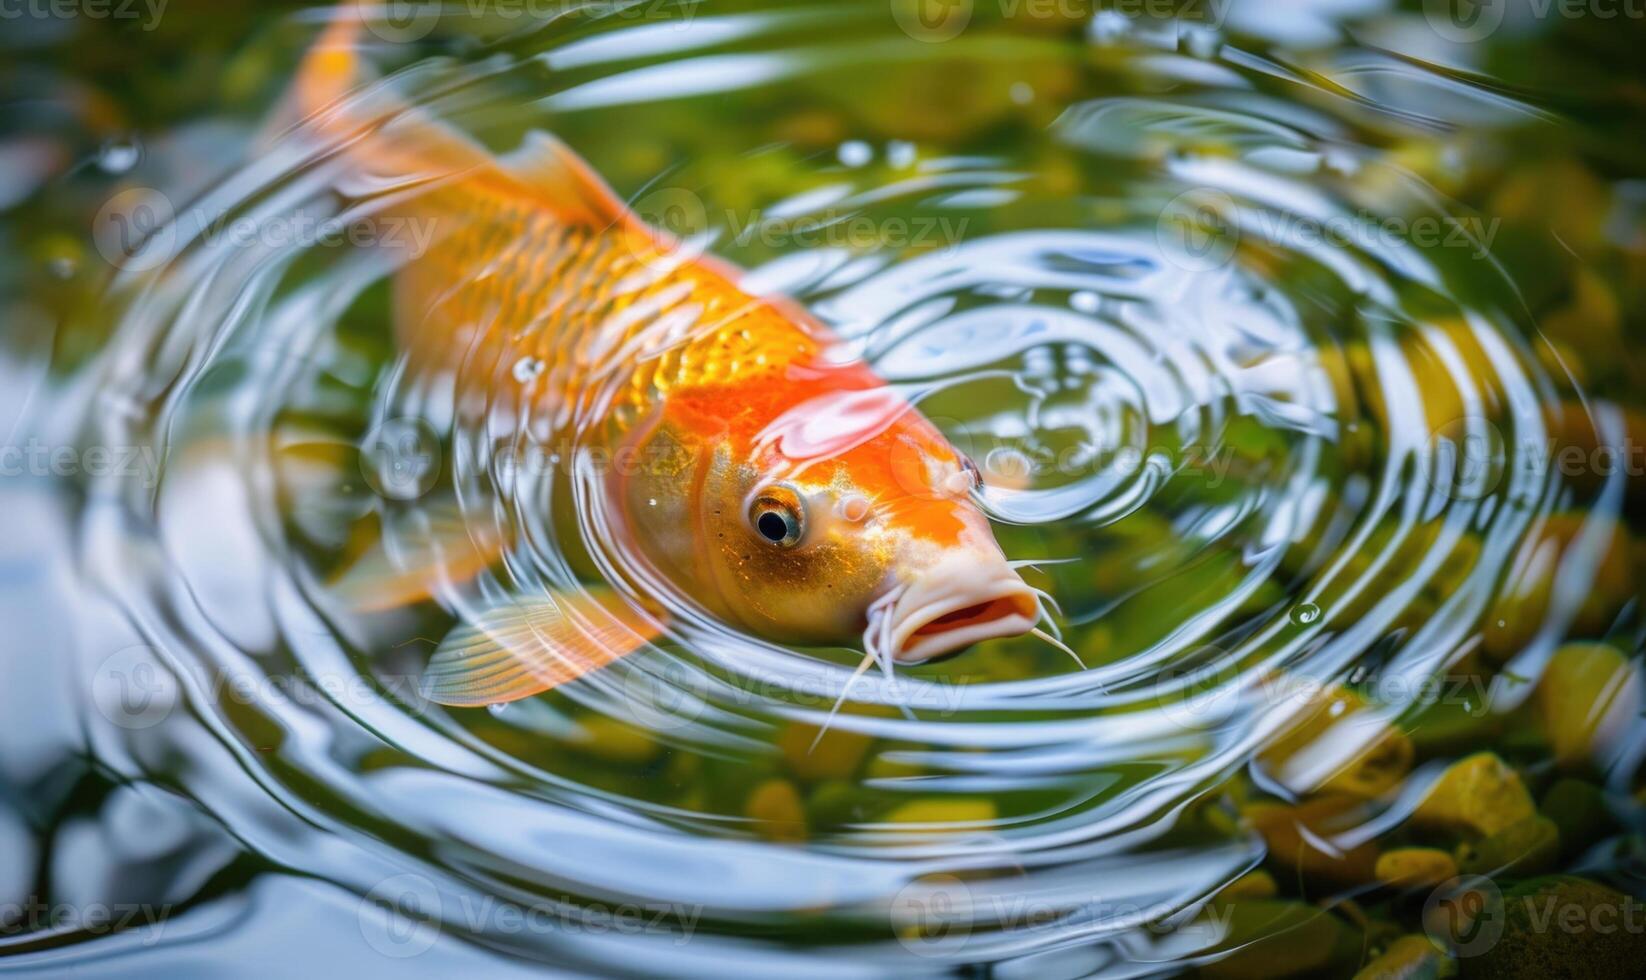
[[391, 144]]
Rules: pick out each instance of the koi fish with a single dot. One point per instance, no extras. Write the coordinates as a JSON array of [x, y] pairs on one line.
[[787, 491]]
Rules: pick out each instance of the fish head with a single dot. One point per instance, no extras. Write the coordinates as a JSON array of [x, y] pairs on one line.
[[848, 516]]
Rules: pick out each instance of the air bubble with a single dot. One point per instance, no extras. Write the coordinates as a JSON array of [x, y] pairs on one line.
[[118, 157], [855, 153], [527, 369]]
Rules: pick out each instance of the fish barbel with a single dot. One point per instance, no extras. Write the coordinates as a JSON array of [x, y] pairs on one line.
[[781, 486]]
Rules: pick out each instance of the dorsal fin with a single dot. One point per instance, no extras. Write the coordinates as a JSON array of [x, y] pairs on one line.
[[545, 164], [395, 143]]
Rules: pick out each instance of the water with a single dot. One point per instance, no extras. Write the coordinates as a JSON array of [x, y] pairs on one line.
[[1295, 350]]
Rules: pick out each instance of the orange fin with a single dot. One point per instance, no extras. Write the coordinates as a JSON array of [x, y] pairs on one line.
[[544, 163], [448, 552], [394, 143], [528, 645]]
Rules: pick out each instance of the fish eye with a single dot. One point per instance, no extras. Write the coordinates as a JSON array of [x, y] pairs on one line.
[[778, 517], [974, 474]]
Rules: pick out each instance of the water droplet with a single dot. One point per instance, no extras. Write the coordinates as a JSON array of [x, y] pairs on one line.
[[119, 156], [1085, 301], [1202, 42], [1022, 93], [900, 153], [855, 153], [652, 502], [1110, 26], [496, 709], [1305, 613], [527, 369], [1337, 161]]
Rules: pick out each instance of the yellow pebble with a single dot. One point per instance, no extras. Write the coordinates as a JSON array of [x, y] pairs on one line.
[[775, 808], [1587, 694], [961, 812], [836, 756], [1408, 958], [1480, 794], [1410, 867], [610, 739]]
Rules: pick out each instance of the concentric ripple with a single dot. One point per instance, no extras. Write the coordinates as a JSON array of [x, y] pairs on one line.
[[1243, 398]]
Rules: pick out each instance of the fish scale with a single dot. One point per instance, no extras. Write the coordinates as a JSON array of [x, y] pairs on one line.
[[792, 494], [529, 285]]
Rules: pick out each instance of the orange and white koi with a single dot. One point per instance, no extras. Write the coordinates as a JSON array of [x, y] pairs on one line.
[[805, 500]]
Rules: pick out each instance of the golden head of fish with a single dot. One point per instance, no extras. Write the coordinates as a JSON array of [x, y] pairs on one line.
[[814, 504]]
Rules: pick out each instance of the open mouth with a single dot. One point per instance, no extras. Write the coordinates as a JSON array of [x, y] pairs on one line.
[[952, 623]]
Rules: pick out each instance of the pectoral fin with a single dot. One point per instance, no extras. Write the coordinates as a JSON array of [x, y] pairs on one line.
[[448, 551], [529, 644]]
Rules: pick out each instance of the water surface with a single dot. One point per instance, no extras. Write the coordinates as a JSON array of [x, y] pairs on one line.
[[1296, 343]]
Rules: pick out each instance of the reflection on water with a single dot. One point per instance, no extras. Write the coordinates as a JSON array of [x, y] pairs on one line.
[[1293, 350]]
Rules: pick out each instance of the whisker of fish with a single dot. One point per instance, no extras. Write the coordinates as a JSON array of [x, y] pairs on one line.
[[868, 659], [877, 647], [1054, 641], [1047, 599], [1037, 562]]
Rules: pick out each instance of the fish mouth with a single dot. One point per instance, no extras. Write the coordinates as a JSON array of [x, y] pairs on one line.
[[945, 612]]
